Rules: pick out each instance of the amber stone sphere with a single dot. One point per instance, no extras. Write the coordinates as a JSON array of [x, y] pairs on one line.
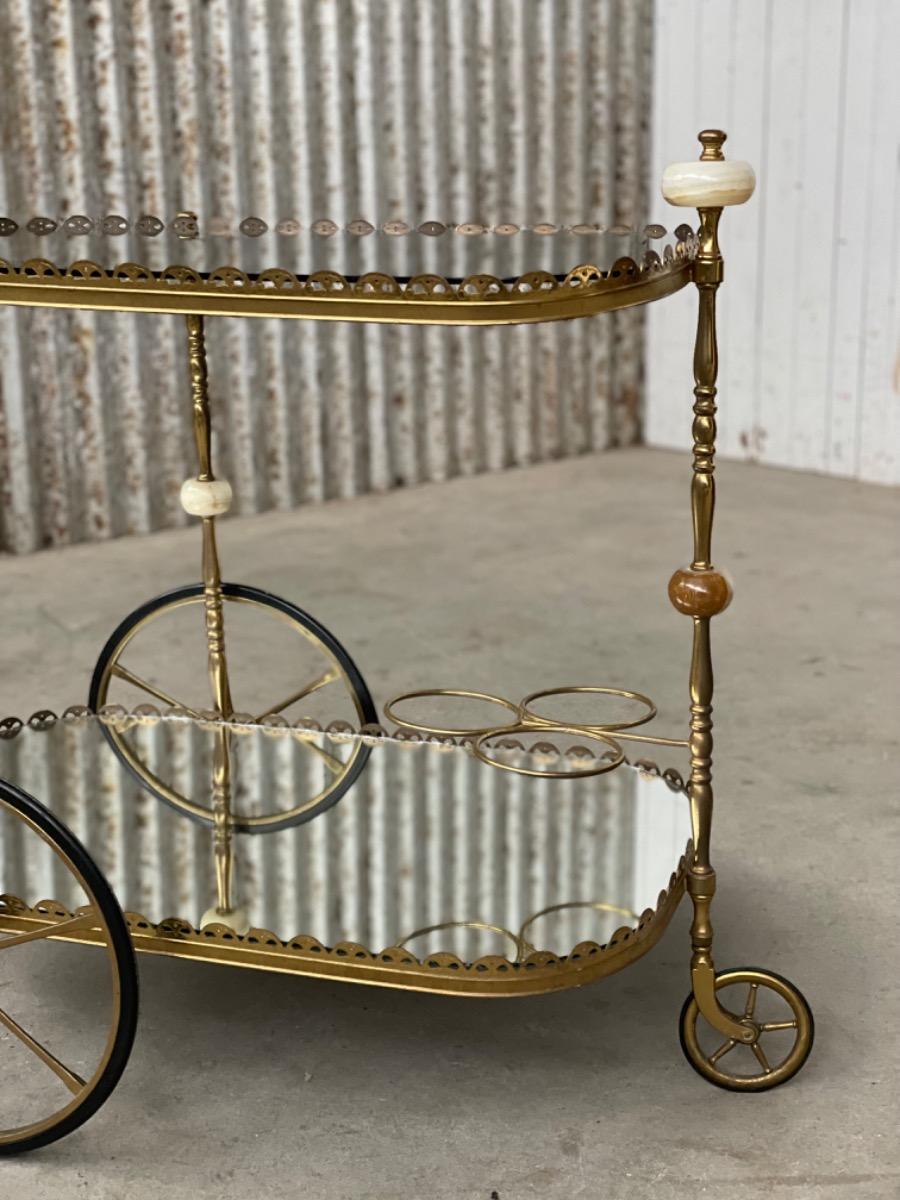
[[700, 593]]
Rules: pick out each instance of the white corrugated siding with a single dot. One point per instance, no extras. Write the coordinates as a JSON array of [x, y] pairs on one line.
[[809, 92], [457, 110]]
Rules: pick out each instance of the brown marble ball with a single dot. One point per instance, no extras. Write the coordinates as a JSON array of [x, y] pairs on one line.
[[700, 593]]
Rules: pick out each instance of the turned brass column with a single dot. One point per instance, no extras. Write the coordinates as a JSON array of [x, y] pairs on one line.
[[700, 592], [208, 496]]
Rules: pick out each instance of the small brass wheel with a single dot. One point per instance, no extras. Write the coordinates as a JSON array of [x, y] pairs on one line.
[[774, 1009], [271, 673], [69, 1011]]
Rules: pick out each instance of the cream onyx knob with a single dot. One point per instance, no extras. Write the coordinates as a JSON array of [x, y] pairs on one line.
[[711, 182], [206, 497], [236, 919]]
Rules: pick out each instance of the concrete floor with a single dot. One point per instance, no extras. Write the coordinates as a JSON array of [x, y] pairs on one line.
[[243, 1084]]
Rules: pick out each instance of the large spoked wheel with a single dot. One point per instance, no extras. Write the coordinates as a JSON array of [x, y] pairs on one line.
[[64, 1054], [272, 672], [780, 1017]]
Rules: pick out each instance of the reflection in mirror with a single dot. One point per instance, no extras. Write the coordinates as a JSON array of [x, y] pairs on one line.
[[430, 848]]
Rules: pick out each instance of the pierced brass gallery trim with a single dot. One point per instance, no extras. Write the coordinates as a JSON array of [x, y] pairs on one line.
[[260, 949], [327, 296]]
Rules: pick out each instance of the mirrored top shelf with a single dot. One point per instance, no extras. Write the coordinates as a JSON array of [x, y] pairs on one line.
[[468, 273]]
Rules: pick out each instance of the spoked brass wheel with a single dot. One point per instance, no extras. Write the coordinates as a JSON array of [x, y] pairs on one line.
[[774, 1009], [285, 664], [67, 1011]]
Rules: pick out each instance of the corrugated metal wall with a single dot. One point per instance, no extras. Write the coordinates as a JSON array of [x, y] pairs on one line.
[[487, 110], [809, 92]]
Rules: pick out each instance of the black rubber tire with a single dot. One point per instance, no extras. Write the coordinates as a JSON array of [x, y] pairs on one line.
[[242, 591], [682, 1022], [123, 950]]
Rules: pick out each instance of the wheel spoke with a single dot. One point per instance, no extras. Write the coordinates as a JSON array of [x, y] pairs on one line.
[[314, 685], [761, 1058], [73, 1082], [722, 1051], [332, 762], [84, 921], [750, 1006], [770, 1026], [152, 690]]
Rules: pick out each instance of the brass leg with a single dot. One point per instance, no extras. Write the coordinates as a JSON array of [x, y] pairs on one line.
[[221, 797], [700, 592], [206, 497]]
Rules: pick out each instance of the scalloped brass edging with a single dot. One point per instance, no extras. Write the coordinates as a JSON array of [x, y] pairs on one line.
[[259, 949], [120, 718], [326, 295]]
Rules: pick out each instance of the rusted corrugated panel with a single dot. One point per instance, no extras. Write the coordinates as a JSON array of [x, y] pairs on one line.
[[455, 110]]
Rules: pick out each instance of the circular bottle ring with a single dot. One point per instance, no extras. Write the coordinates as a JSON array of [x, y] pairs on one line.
[[447, 731], [601, 767], [526, 713]]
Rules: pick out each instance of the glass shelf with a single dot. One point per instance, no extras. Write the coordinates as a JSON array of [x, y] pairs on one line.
[[466, 877], [356, 272]]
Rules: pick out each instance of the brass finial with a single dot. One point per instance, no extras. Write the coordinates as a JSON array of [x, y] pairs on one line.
[[712, 141]]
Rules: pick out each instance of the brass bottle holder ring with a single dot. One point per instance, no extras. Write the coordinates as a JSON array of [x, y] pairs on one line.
[[521, 949], [600, 906], [601, 765], [527, 715], [523, 946], [450, 731], [526, 721]]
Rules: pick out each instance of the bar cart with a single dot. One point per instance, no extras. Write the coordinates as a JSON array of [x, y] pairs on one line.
[[487, 846]]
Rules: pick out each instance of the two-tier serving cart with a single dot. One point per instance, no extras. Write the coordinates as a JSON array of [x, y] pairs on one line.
[[512, 852]]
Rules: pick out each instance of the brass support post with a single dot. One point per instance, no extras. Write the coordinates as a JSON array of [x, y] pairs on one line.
[[200, 395], [707, 276], [701, 880], [215, 619]]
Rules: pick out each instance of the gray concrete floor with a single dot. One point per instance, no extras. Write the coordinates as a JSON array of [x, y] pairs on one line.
[[243, 1084]]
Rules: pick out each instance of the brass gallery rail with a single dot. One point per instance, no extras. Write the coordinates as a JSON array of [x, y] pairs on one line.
[[327, 296]]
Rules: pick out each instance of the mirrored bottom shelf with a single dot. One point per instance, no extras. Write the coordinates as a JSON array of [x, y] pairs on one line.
[[433, 871]]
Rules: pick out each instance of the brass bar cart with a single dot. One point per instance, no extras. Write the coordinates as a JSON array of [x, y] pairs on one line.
[[519, 853]]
